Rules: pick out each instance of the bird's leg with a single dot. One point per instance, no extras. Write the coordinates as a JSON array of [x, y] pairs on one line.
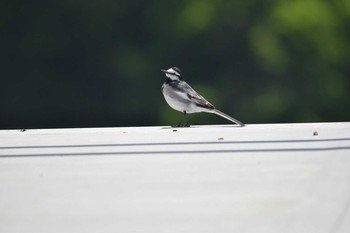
[[180, 123], [188, 118], [185, 120]]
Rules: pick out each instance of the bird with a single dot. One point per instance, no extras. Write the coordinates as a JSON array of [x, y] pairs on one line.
[[182, 97]]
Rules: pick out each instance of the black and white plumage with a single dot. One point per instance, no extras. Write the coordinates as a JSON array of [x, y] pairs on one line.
[[181, 96]]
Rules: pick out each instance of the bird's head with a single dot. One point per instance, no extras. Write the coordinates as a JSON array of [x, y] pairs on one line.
[[173, 73]]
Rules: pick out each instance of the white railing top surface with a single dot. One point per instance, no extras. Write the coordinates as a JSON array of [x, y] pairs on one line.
[[220, 178]]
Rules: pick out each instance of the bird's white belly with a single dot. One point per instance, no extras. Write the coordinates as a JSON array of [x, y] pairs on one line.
[[175, 104], [179, 101]]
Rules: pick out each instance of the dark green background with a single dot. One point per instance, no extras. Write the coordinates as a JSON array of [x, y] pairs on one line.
[[92, 63]]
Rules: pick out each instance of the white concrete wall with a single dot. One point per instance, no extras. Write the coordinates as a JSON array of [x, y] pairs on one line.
[[261, 178]]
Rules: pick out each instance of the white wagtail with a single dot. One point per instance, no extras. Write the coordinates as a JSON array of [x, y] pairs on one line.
[[181, 96]]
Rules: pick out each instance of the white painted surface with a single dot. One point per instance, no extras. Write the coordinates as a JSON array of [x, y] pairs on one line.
[[261, 178]]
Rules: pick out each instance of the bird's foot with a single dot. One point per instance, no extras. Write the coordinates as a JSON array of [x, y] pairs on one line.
[[181, 125]]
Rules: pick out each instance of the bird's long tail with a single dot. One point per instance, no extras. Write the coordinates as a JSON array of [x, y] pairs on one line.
[[217, 112]]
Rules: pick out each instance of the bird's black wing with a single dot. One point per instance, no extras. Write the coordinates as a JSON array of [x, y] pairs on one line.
[[193, 95]]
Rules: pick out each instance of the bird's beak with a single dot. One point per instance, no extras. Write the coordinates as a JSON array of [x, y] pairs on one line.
[[163, 70]]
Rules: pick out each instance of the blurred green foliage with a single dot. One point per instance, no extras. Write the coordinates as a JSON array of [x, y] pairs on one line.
[[73, 63]]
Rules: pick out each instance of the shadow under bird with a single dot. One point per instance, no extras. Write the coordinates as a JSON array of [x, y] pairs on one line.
[[182, 97]]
